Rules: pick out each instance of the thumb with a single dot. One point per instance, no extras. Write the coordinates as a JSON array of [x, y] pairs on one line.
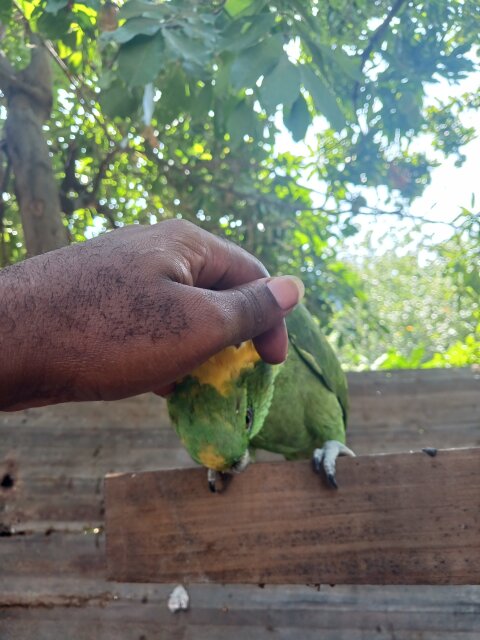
[[256, 310], [228, 317]]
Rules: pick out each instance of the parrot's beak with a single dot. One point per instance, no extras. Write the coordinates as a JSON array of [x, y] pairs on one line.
[[237, 467]]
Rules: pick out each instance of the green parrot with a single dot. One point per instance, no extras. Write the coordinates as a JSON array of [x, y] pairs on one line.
[[236, 403]]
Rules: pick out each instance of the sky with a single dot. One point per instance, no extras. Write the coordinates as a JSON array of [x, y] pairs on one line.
[[451, 187]]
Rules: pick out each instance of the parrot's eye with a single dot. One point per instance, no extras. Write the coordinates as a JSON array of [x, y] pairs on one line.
[[249, 419]]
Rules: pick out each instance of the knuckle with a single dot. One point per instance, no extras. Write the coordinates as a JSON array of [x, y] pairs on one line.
[[177, 226]]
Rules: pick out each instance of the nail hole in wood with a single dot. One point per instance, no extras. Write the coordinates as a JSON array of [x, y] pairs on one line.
[[7, 481]]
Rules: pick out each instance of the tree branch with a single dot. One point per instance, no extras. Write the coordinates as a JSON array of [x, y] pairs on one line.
[[374, 40], [105, 211], [5, 177], [9, 79], [399, 213], [78, 89], [101, 171]]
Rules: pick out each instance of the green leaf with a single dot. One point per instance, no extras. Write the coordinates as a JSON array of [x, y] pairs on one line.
[[237, 37], [199, 29], [117, 101], [222, 76], [349, 65], [281, 86], [91, 4], [131, 29], [136, 8], [54, 27], [236, 7], [106, 78], [298, 119], [256, 61], [183, 47], [174, 99], [202, 102], [241, 122], [83, 20], [140, 60], [337, 60], [53, 6], [6, 10], [323, 98]]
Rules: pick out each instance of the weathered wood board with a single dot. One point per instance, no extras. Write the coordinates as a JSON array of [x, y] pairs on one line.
[[398, 519], [52, 543]]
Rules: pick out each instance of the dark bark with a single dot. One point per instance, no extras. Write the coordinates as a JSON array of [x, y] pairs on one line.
[[29, 100]]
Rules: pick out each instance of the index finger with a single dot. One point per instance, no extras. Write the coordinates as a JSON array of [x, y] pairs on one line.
[[229, 266], [216, 263]]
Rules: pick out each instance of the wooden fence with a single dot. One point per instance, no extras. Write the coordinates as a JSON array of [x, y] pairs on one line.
[[52, 548]]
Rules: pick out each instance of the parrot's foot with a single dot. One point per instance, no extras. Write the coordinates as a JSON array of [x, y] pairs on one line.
[[326, 458], [213, 477], [218, 480]]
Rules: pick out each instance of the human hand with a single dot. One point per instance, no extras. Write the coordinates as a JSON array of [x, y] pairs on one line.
[[131, 311]]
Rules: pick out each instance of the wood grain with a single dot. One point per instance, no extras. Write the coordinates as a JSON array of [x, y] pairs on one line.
[[52, 560], [397, 519]]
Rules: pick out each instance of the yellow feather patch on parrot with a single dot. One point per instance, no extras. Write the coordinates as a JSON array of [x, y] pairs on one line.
[[222, 368], [211, 459]]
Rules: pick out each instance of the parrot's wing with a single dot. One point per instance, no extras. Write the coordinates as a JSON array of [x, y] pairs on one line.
[[313, 348]]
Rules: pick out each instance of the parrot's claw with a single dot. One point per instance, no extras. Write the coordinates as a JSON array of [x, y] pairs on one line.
[[326, 457], [218, 480], [212, 480]]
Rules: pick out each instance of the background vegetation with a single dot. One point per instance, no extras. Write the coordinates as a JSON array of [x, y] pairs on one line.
[[113, 114]]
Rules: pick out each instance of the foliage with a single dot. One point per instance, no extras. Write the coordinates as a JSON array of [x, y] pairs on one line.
[[423, 305], [171, 109]]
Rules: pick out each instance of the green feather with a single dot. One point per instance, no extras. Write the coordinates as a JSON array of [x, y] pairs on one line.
[[311, 345], [291, 408], [310, 400]]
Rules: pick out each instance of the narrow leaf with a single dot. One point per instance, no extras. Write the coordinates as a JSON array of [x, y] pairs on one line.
[[281, 86], [324, 99], [240, 123], [298, 119]]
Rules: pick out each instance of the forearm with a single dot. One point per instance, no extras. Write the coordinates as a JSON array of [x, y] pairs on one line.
[[44, 340], [21, 353]]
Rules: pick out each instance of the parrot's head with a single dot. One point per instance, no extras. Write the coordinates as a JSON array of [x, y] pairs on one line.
[[221, 406]]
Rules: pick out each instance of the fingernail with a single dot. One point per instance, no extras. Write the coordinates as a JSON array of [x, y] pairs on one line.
[[287, 291]]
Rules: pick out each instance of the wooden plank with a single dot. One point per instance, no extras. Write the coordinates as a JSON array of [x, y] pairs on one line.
[[397, 519], [236, 612], [58, 455], [410, 409], [53, 569]]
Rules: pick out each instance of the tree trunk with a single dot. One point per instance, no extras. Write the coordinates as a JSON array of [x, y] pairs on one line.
[[29, 100]]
